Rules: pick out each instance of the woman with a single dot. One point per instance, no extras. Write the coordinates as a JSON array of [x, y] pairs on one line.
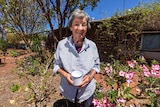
[[76, 52]]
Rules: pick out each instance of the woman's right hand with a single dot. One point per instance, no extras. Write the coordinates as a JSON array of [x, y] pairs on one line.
[[66, 75], [69, 79]]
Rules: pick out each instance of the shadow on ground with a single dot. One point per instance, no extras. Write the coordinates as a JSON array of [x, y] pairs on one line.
[[60, 103]]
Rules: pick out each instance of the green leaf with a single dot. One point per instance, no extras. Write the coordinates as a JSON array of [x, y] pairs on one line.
[[15, 88]]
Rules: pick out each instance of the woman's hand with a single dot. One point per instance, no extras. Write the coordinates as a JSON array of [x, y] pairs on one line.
[[86, 79], [68, 77]]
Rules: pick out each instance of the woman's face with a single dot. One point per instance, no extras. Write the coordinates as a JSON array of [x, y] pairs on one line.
[[79, 29]]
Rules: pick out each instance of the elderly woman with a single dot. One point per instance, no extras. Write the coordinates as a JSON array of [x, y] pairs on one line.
[[76, 52]]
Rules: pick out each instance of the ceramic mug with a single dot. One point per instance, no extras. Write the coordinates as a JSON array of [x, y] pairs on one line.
[[77, 77]]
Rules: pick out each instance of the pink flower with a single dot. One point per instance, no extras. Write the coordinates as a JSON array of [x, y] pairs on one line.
[[143, 58], [156, 67], [121, 100], [122, 73], [105, 101], [104, 105], [111, 105], [135, 62], [131, 64], [147, 73], [99, 90], [94, 101], [157, 91], [129, 80], [100, 103], [108, 69], [129, 76], [144, 68], [155, 73], [131, 106]]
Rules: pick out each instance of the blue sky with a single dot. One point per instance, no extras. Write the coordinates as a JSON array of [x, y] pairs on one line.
[[107, 8]]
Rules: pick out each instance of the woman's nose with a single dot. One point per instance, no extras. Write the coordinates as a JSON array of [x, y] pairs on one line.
[[80, 27]]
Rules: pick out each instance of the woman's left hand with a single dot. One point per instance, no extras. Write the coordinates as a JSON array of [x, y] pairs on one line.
[[86, 79]]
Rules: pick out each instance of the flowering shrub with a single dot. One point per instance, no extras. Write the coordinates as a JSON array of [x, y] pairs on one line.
[[135, 83]]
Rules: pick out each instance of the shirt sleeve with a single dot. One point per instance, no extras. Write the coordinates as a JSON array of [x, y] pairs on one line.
[[57, 61], [96, 66]]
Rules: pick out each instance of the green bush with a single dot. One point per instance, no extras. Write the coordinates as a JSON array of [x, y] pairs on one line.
[[3, 45]]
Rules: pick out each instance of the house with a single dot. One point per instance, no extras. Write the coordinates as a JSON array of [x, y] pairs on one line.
[[150, 41]]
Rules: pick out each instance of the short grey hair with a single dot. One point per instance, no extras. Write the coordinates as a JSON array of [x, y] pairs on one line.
[[78, 14]]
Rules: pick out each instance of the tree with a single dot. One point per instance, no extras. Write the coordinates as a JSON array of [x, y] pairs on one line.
[[3, 42], [59, 10], [3, 46], [22, 17], [13, 39]]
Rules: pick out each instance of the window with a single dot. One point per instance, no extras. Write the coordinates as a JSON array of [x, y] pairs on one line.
[[151, 42]]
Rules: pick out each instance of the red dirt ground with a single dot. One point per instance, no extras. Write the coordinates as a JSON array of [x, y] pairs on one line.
[[8, 77]]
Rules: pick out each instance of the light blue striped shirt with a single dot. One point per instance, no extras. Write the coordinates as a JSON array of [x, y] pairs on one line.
[[67, 58]]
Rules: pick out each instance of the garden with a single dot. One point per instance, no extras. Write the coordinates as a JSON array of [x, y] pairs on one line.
[[133, 84], [127, 79]]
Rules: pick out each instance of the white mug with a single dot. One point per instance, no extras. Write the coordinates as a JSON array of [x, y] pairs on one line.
[[77, 77]]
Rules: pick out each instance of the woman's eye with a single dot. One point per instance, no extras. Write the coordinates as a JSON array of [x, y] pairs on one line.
[[84, 24], [76, 24]]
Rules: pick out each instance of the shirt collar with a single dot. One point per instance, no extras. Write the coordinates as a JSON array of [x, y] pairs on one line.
[[85, 43]]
